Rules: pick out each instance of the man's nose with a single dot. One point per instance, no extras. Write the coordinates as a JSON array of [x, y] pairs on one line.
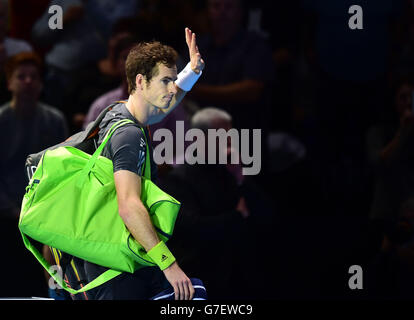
[[173, 88], [28, 79]]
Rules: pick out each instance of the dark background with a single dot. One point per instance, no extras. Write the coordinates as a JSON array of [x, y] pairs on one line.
[[330, 86]]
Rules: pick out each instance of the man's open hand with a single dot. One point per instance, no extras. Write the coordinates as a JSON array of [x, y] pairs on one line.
[[197, 63]]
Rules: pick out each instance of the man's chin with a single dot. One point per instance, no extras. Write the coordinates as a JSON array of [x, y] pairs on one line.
[[165, 106], [160, 109]]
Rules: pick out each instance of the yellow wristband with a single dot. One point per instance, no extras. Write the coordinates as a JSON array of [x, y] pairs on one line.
[[161, 255]]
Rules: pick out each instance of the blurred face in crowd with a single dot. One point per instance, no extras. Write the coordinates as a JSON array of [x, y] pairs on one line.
[[25, 83], [120, 63], [160, 90], [225, 15], [404, 98]]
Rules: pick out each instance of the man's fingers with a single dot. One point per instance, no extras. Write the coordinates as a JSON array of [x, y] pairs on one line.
[[193, 43], [192, 291], [188, 36], [176, 292], [190, 39], [188, 290], [182, 290]]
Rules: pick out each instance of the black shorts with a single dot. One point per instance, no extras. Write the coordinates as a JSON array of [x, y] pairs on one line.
[[143, 284]]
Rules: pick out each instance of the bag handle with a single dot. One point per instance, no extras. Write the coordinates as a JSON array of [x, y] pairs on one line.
[[84, 173], [97, 153], [104, 277]]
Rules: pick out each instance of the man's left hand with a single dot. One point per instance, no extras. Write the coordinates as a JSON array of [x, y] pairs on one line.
[[197, 63]]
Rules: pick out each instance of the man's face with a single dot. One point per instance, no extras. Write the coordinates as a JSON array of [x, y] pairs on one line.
[[25, 82], [161, 89], [404, 98]]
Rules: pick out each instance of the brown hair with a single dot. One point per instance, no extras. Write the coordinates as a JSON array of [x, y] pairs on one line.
[[22, 58], [143, 59]]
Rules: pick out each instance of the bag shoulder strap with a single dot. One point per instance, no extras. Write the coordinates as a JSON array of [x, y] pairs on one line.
[[147, 163], [104, 277], [88, 167], [116, 125], [93, 128]]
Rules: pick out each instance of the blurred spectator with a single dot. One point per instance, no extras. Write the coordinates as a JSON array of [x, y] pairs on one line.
[[26, 126], [74, 50], [9, 46], [282, 25], [113, 66], [23, 14], [390, 153], [334, 41], [166, 19], [231, 80], [86, 27], [403, 44], [350, 95], [391, 274], [211, 231]]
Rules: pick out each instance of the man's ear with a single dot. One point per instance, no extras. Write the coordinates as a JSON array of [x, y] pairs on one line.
[[139, 81]]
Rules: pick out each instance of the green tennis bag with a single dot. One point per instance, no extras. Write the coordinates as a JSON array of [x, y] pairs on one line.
[[70, 204]]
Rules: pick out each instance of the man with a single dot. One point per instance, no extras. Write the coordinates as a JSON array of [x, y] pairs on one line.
[[26, 126], [124, 42], [120, 46], [154, 91], [73, 50]]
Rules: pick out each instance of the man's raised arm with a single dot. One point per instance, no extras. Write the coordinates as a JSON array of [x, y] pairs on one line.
[[190, 74]]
